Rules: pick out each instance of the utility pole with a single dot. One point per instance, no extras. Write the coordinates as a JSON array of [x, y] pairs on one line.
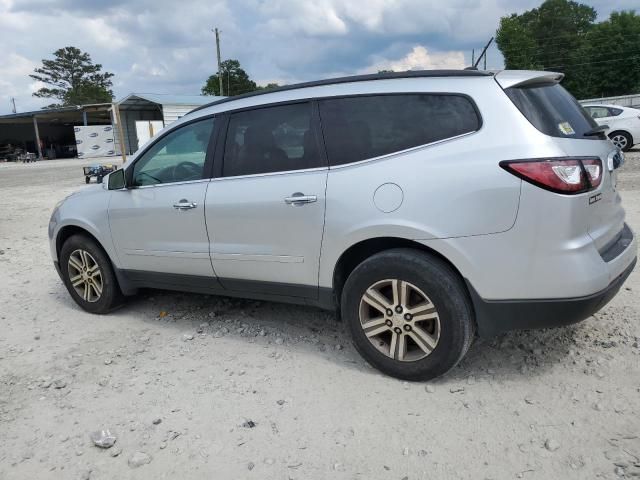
[[483, 54], [219, 62], [13, 103], [473, 56]]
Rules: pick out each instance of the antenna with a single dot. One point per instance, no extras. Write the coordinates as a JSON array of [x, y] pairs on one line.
[[483, 54]]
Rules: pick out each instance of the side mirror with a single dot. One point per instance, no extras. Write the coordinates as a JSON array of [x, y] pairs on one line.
[[117, 180]]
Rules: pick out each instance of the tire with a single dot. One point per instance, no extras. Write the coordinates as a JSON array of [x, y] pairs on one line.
[[449, 325], [104, 294], [87, 179], [622, 140]]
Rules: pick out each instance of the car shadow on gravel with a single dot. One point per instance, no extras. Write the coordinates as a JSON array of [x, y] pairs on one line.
[[318, 332]]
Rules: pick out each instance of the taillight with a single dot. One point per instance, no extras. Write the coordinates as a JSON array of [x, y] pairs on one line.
[[560, 175]]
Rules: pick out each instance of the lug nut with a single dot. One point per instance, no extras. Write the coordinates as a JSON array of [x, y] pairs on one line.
[[399, 309], [408, 317], [407, 328], [389, 323], [389, 312], [397, 330]]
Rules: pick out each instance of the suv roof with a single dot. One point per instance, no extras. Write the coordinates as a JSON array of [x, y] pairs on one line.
[[354, 78]]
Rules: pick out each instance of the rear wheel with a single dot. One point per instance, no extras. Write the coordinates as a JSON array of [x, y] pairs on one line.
[[408, 313], [88, 275], [622, 140]]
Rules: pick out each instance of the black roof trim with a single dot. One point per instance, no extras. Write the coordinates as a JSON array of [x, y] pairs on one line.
[[354, 78]]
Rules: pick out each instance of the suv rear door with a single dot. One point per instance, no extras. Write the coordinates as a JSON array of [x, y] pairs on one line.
[[265, 208]]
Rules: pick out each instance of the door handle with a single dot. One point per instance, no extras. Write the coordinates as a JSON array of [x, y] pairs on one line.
[[184, 205], [300, 199]]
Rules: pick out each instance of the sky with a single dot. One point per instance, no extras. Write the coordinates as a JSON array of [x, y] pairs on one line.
[[167, 46]]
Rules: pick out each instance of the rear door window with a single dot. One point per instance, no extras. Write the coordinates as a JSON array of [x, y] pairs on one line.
[[598, 112], [553, 111], [271, 139], [368, 126]]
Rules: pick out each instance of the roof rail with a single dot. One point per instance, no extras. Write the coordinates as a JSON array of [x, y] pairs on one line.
[[351, 79]]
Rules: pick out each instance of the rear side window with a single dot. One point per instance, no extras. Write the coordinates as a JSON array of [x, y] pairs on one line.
[[614, 112], [598, 112], [271, 139], [362, 127], [553, 111]]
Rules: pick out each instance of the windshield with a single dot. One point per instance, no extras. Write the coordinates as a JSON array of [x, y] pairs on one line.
[[553, 111]]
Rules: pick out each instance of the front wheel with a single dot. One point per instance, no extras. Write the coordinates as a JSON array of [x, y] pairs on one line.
[[88, 275], [622, 140], [408, 313]]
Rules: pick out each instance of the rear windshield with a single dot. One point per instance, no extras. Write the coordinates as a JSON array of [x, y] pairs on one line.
[[553, 111]]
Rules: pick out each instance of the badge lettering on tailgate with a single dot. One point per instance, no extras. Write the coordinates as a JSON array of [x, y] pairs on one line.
[[595, 198]]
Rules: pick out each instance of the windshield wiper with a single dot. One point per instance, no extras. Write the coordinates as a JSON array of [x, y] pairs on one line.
[[596, 131]]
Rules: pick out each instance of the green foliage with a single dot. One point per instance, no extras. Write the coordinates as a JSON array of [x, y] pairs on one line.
[[268, 86], [561, 35], [235, 80], [616, 38], [73, 78]]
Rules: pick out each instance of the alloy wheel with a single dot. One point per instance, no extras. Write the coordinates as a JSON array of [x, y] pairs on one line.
[[619, 141], [85, 275], [399, 320]]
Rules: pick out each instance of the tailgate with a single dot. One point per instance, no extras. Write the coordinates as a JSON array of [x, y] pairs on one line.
[[602, 208]]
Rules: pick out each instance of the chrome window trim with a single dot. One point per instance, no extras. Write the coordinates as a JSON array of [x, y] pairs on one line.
[[187, 182], [401, 152], [271, 174]]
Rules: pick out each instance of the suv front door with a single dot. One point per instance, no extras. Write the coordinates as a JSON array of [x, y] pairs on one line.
[[265, 209], [157, 223]]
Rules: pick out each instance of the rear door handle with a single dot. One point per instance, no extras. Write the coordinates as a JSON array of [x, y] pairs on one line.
[[300, 199], [184, 205]]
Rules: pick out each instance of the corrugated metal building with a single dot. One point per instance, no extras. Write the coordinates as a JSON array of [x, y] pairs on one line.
[[50, 132], [632, 101], [154, 107]]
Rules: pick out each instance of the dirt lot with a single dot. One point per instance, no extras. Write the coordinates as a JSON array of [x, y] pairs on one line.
[[208, 387]]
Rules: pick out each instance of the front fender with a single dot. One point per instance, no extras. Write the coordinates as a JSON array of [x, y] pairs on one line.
[[87, 211]]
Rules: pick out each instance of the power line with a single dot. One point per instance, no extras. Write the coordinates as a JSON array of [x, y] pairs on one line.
[[557, 53], [569, 61], [564, 42], [593, 63]]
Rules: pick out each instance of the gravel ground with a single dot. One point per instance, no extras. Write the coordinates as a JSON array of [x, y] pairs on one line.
[[208, 387]]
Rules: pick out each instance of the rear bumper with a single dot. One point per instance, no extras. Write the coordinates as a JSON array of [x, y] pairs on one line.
[[497, 316]]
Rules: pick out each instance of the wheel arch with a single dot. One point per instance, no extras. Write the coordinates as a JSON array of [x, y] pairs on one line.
[[625, 132], [360, 251], [68, 231]]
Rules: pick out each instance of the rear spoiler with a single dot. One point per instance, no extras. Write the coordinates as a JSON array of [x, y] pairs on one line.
[[527, 78]]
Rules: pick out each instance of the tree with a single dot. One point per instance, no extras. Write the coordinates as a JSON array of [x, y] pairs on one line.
[[235, 80], [74, 79], [268, 86], [609, 61], [548, 37]]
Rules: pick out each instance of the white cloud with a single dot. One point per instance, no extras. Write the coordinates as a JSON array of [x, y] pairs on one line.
[[14, 70], [166, 46], [419, 58]]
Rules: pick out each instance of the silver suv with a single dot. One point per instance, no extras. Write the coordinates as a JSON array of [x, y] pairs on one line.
[[425, 207]]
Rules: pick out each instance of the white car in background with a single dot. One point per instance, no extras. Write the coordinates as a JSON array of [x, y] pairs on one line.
[[623, 122]]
